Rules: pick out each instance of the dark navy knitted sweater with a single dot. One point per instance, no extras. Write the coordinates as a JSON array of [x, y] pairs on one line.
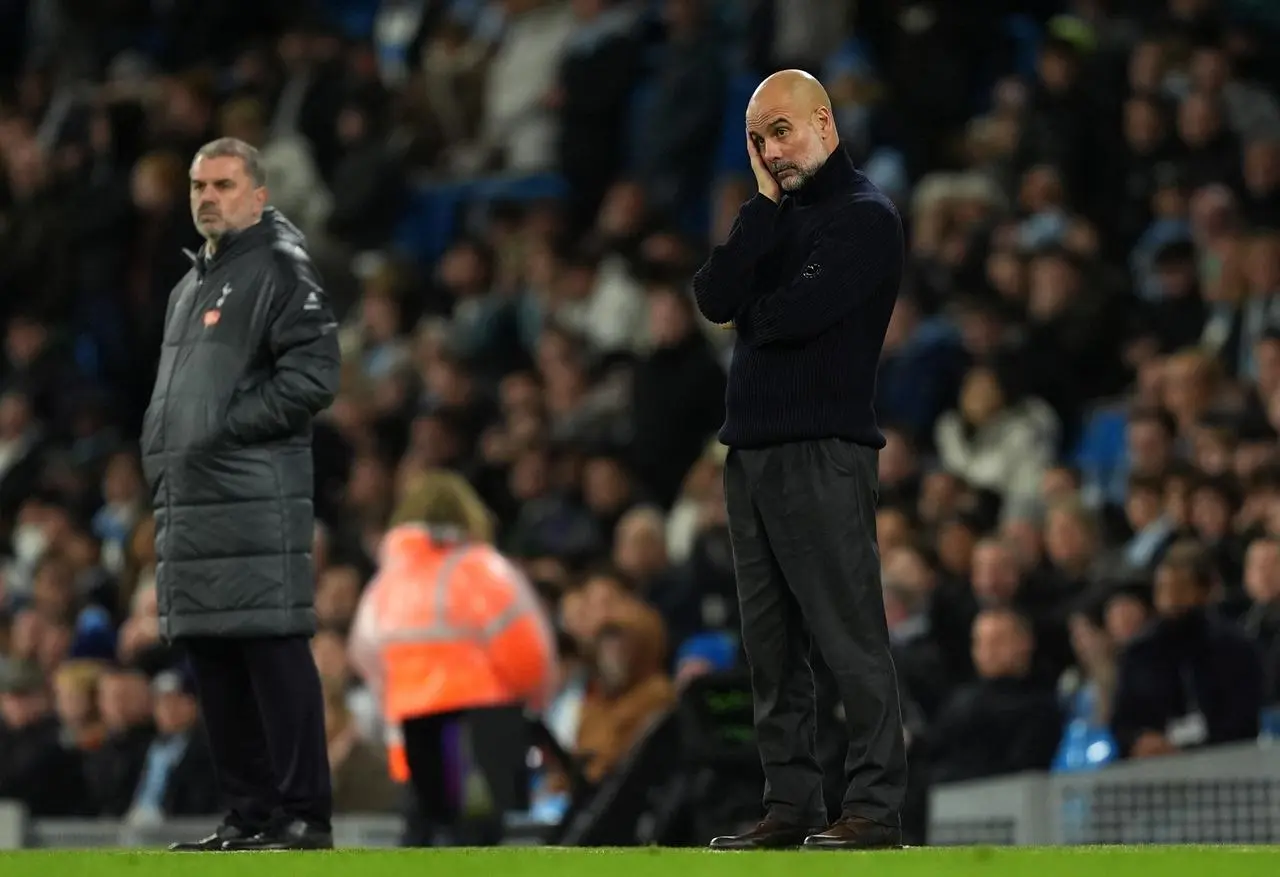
[[809, 283]]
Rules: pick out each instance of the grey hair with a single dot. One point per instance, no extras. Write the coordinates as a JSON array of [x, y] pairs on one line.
[[230, 147]]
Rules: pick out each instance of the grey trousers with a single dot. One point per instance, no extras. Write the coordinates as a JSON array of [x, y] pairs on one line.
[[802, 522]]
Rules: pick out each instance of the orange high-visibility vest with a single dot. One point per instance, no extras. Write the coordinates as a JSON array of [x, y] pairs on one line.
[[448, 625]]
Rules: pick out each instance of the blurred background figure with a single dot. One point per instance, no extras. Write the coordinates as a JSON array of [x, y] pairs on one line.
[[455, 643]]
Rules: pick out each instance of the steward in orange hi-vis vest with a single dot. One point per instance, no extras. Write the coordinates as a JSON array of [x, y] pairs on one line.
[[448, 624]]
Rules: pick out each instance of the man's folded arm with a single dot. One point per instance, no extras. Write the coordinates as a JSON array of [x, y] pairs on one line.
[[859, 249], [724, 282]]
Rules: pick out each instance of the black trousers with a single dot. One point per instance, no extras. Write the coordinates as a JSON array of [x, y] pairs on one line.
[[446, 751], [263, 709], [802, 522]]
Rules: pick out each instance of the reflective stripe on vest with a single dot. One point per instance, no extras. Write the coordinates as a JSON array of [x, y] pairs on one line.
[[440, 630], [397, 758]]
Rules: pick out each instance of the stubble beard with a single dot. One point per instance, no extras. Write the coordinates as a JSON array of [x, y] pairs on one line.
[[796, 180]]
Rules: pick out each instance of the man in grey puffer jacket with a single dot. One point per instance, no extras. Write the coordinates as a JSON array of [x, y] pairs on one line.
[[250, 356]]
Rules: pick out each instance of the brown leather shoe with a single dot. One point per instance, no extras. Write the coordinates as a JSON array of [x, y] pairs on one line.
[[770, 834], [855, 833]]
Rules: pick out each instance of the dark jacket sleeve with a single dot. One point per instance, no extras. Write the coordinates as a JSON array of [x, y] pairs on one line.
[[302, 337], [860, 248], [723, 284], [1037, 738], [1131, 716], [949, 727], [1237, 716]]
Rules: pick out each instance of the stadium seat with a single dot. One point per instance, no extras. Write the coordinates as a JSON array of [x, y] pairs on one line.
[[731, 157], [537, 187], [1025, 34], [427, 223], [1101, 448], [355, 17], [430, 219], [642, 98]]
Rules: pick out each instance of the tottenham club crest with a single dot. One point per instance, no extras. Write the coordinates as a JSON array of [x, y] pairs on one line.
[[214, 314]]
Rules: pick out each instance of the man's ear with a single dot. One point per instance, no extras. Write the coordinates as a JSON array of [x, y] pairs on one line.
[[824, 120], [260, 198]]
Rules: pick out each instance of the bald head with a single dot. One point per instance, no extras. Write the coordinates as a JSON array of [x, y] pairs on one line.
[[789, 120], [796, 89]]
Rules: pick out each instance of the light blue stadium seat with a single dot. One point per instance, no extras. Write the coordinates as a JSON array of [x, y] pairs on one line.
[[1102, 446], [1026, 35], [536, 187], [430, 220], [731, 153], [354, 17], [1269, 723], [642, 98], [426, 224]]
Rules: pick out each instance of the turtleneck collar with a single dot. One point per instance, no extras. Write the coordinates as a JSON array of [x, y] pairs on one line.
[[832, 178]]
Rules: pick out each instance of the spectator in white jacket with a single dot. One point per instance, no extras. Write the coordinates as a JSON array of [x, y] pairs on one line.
[[996, 441], [519, 120], [293, 179]]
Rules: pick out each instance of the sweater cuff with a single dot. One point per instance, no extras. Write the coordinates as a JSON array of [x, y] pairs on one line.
[[756, 217], [760, 207]]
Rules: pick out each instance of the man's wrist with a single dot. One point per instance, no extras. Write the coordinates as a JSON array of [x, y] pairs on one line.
[[762, 203]]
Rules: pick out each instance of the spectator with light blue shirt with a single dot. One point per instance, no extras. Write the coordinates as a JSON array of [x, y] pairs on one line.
[[1153, 531], [1085, 691], [124, 504], [177, 777], [1260, 310], [550, 796]]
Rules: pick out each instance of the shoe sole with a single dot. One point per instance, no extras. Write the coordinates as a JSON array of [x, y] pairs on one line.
[[277, 850], [756, 849], [837, 848], [807, 848], [283, 849]]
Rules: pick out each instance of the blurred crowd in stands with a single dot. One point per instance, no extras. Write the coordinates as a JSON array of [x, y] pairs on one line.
[[1080, 387]]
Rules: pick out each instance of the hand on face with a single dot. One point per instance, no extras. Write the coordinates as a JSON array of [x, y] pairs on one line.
[[765, 182]]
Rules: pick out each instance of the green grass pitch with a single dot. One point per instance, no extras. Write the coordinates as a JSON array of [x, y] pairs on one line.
[[1167, 861]]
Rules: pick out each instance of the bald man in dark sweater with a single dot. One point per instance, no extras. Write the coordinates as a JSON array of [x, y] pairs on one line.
[[808, 277]]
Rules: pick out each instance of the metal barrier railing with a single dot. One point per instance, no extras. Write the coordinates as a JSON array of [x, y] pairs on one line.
[[1228, 794]]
